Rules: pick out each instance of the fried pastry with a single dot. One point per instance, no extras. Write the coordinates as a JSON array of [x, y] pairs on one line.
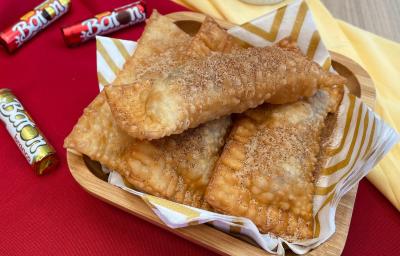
[[267, 169], [289, 44], [177, 167], [95, 133], [205, 89], [154, 47], [211, 38]]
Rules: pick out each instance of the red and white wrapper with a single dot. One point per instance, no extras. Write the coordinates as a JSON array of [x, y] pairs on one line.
[[33, 22], [105, 23]]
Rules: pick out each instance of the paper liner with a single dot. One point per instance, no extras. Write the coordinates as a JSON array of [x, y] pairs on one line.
[[360, 138]]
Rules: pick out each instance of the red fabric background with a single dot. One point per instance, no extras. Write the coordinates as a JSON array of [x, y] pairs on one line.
[[53, 215]]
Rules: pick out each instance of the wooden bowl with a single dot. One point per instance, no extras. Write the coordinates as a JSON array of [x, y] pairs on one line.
[[89, 175]]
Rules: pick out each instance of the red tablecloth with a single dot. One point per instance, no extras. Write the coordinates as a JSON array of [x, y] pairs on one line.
[[53, 215]]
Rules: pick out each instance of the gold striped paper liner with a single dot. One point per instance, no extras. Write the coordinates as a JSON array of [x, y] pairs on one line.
[[294, 20], [354, 151], [111, 56]]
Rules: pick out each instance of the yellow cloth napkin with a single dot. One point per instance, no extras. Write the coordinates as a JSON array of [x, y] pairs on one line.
[[380, 57]]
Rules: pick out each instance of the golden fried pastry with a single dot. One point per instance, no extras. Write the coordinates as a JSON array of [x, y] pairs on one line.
[[96, 134], [289, 44], [205, 89], [177, 167], [266, 170], [211, 37], [161, 41]]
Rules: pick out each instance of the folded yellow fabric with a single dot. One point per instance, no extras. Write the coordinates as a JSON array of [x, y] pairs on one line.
[[380, 57]]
